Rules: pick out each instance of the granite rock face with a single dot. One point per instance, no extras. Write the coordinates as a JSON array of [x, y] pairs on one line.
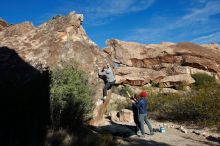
[[3, 24], [165, 63], [59, 41]]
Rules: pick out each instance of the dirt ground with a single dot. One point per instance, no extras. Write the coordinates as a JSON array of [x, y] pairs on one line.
[[125, 136], [171, 137]]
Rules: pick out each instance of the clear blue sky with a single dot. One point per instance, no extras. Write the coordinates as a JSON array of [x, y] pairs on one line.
[[144, 21]]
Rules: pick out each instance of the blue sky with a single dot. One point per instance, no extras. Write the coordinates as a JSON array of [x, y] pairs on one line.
[[144, 21]]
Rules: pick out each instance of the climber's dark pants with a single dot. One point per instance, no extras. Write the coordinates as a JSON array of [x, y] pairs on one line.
[[107, 86]]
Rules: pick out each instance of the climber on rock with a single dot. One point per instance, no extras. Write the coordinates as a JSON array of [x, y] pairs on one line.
[[108, 76]]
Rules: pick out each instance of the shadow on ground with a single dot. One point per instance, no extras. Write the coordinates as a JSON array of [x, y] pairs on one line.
[[142, 142], [213, 142], [24, 106], [116, 130], [125, 135]]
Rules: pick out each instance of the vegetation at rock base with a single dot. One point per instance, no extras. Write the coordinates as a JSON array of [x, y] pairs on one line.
[[119, 104], [203, 81], [71, 107], [122, 90], [71, 98], [200, 106]]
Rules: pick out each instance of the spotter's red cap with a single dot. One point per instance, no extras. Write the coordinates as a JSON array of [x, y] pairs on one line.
[[143, 94]]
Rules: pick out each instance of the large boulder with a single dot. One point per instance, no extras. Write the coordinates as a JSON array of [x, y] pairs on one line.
[[123, 117], [126, 116], [59, 42]]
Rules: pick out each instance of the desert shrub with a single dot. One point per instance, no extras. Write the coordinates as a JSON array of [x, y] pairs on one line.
[[200, 106], [154, 84], [71, 102], [153, 100], [152, 97], [118, 105], [203, 80], [125, 104], [121, 90], [181, 86]]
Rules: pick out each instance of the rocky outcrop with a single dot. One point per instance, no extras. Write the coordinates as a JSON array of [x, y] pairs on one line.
[[3, 24], [137, 76], [54, 44], [212, 46], [60, 41], [170, 81], [165, 63]]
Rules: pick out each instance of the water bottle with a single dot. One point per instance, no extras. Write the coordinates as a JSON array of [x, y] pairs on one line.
[[162, 130]]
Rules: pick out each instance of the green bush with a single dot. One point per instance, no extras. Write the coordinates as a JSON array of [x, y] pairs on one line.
[[119, 105], [200, 106], [203, 80], [71, 102], [121, 90]]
